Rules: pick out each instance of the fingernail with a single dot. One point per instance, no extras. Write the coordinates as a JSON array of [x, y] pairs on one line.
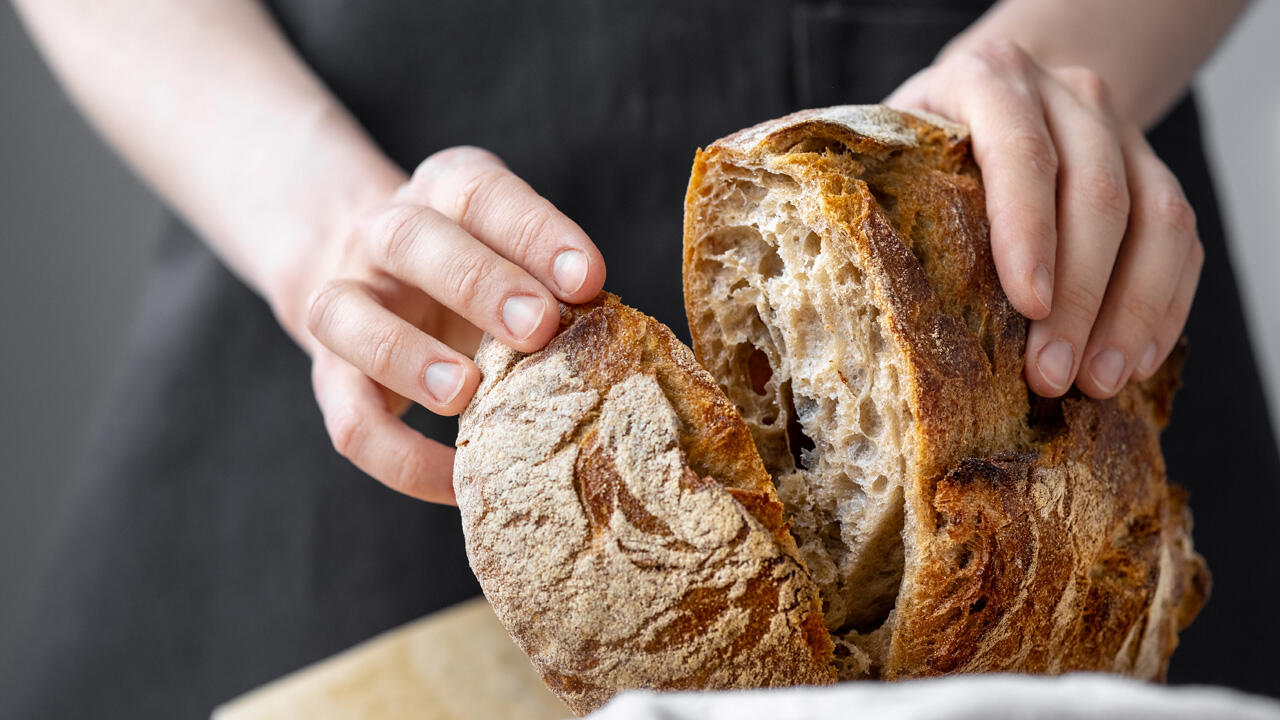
[[1149, 358], [570, 270], [1106, 368], [522, 314], [1042, 286], [444, 381], [1055, 364]]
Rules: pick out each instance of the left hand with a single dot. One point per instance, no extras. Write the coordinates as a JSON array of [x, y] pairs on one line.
[[1091, 234]]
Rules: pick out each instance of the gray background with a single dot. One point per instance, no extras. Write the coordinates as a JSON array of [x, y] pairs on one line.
[[77, 228]]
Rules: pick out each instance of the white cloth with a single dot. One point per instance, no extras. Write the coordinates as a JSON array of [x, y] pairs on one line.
[[974, 697]]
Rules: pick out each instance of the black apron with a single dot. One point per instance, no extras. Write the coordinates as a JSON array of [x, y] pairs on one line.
[[211, 540]]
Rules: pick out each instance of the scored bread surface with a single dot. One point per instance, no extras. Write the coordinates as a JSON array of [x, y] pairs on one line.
[[621, 523], [839, 284]]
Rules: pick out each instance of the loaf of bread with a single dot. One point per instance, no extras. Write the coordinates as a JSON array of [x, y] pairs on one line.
[[906, 508]]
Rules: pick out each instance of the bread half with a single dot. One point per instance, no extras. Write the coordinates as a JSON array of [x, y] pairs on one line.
[[839, 283], [621, 523]]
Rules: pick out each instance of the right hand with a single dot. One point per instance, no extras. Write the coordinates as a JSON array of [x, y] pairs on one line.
[[1091, 234], [399, 302]]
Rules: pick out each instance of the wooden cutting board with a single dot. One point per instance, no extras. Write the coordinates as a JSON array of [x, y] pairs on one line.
[[456, 664]]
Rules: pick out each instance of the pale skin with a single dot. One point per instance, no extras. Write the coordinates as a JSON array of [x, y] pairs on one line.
[[387, 281]]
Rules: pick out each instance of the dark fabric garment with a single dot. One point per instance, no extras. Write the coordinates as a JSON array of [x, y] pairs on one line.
[[1220, 446], [212, 540]]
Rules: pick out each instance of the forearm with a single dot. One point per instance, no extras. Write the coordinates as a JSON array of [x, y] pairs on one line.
[[1146, 50], [211, 106]]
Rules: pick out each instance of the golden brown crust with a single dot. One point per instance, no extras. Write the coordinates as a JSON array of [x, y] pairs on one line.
[[621, 523], [1053, 561]]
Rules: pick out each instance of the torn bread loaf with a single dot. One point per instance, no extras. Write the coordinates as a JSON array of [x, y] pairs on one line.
[[840, 289], [839, 283]]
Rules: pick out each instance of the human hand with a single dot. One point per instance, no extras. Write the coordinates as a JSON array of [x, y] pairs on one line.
[[1091, 234], [400, 299]]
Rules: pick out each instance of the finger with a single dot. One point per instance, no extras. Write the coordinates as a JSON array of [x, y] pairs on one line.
[[1157, 245], [994, 90], [1175, 318], [423, 248], [348, 320], [376, 441], [1093, 211], [475, 189]]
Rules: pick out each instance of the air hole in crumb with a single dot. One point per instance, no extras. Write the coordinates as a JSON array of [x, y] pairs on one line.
[[796, 439], [817, 145], [846, 273], [812, 244], [731, 238], [868, 418], [880, 485], [777, 181], [770, 263], [874, 331], [738, 285], [750, 191], [758, 370], [978, 605]]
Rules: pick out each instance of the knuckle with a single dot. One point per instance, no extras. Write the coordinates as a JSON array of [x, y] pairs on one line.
[[1034, 148], [347, 432], [321, 306], [385, 354], [393, 232], [1079, 302], [463, 155], [1014, 226], [530, 226], [473, 191], [438, 177], [1171, 208], [450, 159], [1000, 56], [464, 276], [1141, 311], [1197, 254], [1087, 84], [410, 470], [1105, 190]]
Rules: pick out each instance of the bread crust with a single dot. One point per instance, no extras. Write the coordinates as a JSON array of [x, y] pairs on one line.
[[621, 523], [1075, 556]]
